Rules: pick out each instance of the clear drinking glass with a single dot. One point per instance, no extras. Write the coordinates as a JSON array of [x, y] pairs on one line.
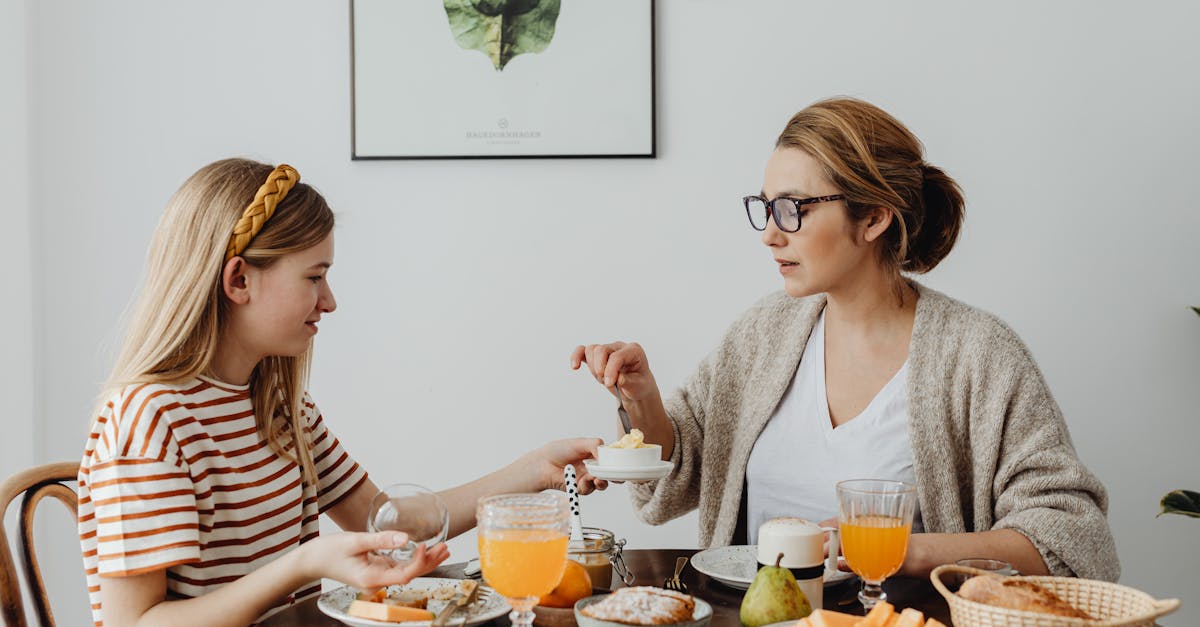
[[875, 517], [523, 547], [417, 511], [996, 567]]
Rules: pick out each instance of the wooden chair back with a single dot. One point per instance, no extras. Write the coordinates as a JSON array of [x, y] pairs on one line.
[[34, 484]]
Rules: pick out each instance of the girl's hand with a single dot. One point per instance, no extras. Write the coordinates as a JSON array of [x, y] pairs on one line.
[[620, 364], [544, 466], [350, 559]]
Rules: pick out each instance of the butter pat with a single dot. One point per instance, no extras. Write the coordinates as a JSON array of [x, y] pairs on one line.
[[634, 439]]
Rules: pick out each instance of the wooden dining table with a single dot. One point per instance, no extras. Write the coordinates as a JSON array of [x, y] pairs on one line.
[[651, 567]]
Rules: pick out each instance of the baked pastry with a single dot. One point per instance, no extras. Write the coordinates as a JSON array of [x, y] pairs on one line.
[[643, 605], [418, 599], [410, 598], [1017, 594], [445, 593]]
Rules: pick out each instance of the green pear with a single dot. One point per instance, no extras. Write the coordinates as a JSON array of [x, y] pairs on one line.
[[774, 596]]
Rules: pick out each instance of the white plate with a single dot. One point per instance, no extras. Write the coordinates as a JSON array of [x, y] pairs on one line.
[[735, 566], [644, 473], [489, 606]]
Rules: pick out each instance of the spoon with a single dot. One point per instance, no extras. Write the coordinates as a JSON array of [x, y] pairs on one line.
[[621, 409], [576, 541]]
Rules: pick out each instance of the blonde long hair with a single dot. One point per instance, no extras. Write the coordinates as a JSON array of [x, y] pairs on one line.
[[179, 314]]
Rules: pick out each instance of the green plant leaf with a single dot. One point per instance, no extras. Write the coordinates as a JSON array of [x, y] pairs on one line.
[[502, 29], [1182, 502]]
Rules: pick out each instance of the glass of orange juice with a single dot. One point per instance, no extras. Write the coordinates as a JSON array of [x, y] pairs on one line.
[[523, 547], [875, 517]]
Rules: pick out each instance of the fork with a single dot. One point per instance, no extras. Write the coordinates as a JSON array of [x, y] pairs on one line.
[[674, 583]]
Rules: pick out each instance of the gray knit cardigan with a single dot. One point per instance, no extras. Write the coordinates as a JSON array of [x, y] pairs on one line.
[[990, 447]]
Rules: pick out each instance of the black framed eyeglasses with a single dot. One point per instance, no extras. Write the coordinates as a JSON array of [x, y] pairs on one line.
[[786, 211]]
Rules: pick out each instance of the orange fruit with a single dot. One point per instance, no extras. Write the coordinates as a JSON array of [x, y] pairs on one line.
[[574, 585]]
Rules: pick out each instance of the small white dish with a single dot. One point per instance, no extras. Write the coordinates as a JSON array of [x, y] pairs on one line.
[[735, 566], [490, 606], [610, 456], [622, 473]]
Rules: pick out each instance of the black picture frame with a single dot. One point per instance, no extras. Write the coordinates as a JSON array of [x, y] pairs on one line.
[[452, 128]]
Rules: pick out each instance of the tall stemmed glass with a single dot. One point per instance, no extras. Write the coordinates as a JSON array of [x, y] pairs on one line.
[[876, 521], [523, 547]]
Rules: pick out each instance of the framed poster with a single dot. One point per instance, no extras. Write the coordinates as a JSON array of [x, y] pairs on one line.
[[455, 79]]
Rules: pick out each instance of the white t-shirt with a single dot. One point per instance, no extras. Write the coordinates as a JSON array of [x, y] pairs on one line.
[[800, 456]]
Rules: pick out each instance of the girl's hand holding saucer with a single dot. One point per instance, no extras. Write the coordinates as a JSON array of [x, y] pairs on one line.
[[544, 466]]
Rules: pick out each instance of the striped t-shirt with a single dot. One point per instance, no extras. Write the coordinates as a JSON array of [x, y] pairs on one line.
[[177, 477]]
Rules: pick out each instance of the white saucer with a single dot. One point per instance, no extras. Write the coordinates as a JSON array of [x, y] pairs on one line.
[[642, 473], [735, 566]]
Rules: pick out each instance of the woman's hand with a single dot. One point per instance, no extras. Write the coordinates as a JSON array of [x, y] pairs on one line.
[[625, 366], [620, 364], [834, 522], [544, 466], [350, 559]]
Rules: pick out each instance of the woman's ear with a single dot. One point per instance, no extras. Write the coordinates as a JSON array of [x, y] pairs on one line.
[[876, 223], [233, 281]]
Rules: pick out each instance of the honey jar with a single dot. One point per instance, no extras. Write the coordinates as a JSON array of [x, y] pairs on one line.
[[601, 557]]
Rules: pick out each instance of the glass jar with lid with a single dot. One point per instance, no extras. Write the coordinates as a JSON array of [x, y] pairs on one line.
[[601, 557]]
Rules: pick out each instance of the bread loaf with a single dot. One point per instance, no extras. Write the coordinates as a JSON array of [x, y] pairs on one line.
[[1017, 594]]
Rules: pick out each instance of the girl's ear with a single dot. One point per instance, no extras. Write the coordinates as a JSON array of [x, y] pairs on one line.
[[876, 223], [233, 281]]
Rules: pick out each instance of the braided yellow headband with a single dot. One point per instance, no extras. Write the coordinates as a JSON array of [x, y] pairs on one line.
[[279, 182]]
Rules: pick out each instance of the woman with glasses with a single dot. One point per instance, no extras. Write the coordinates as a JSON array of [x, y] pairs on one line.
[[855, 370]]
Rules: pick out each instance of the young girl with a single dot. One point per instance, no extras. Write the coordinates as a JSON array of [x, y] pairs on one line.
[[208, 464]]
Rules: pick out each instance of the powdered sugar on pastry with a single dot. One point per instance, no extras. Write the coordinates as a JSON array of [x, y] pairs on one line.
[[643, 605]]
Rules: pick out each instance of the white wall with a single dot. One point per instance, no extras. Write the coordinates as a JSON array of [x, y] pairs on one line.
[[463, 285], [17, 357], [18, 354]]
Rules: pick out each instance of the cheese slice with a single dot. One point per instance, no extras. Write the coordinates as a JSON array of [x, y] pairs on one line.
[[878, 616], [389, 613], [827, 618], [910, 618]]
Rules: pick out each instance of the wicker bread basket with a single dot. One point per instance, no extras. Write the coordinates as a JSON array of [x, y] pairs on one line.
[[1113, 605]]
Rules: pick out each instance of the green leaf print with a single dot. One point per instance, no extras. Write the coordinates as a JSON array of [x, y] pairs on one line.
[[502, 29]]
